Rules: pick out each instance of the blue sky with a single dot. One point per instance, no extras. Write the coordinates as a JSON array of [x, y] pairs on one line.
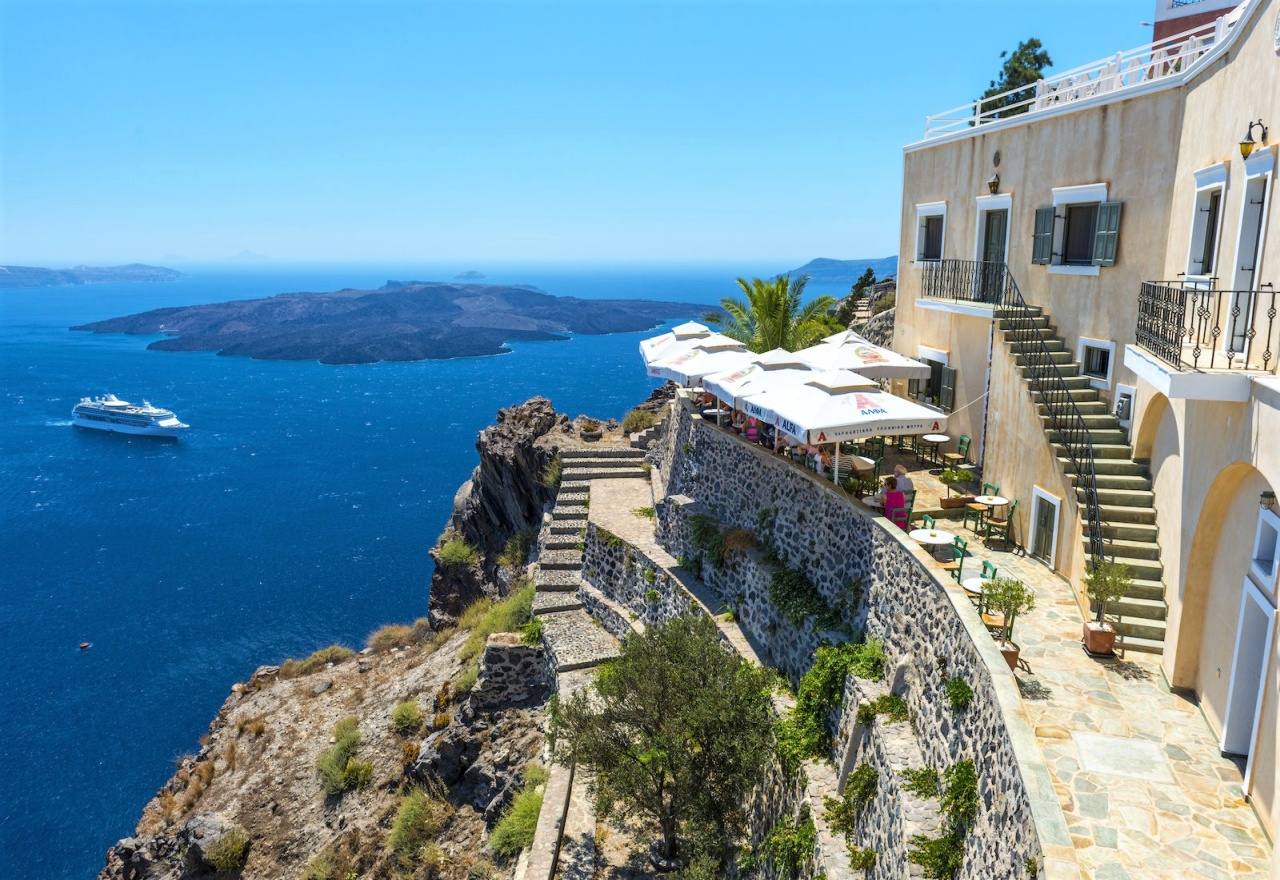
[[489, 131]]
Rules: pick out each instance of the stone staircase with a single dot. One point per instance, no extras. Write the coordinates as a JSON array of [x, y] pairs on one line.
[[1125, 501], [643, 439], [573, 638]]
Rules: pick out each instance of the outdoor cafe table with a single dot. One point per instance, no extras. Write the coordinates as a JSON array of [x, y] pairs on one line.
[[973, 586], [715, 413], [861, 463], [935, 440], [935, 538], [991, 500]]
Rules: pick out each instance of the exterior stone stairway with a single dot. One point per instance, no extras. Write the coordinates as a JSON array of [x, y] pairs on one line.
[[1125, 500], [643, 439], [573, 638]]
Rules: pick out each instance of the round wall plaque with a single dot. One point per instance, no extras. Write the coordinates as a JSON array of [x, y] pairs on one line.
[[995, 160]]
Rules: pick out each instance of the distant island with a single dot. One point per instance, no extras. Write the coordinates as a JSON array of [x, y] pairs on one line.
[[469, 275], [33, 276], [401, 321], [845, 271]]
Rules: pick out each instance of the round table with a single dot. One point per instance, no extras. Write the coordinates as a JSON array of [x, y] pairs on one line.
[[973, 586], [935, 538], [991, 500], [935, 440], [714, 413]]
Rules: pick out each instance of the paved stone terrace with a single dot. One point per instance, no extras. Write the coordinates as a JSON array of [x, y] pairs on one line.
[[1137, 770]]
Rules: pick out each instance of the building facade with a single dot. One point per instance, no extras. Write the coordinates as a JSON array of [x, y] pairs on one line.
[[1091, 266]]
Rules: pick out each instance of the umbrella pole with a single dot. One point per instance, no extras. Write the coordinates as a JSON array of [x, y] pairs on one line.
[[835, 477]]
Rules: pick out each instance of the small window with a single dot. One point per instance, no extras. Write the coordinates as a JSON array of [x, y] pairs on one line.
[[1097, 362], [1204, 232], [932, 239], [1077, 246]]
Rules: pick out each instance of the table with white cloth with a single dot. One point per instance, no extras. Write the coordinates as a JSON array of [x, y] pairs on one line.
[[933, 538], [936, 441]]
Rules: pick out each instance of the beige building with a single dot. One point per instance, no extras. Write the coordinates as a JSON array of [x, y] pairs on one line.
[[1092, 278]]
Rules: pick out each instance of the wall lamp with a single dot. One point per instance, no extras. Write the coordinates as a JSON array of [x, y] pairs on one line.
[[1247, 145], [994, 183], [1267, 500]]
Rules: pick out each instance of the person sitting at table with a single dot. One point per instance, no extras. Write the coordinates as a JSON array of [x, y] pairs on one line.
[[736, 421], [708, 400], [751, 429], [824, 461], [895, 503], [904, 482]]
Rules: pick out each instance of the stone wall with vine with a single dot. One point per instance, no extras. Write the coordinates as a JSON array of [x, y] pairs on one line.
[[851, 577]]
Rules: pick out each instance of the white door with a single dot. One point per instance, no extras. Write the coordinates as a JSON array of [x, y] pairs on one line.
[[1253, 646]]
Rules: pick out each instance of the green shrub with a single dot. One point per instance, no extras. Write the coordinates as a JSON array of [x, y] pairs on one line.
[[395, 635], [407, 718], [609, 538], [805, 731], [551, 474], [789, 845], [317, 661], [651, 596], [889, 704], [484, 618], [920, 781], [868, 660], [467, 681], [515, 829], [320, 867], [885, 303], [339, 771], [418, 820], [861, 859], [644, 512], [531, 632], [229, 853], [650, 576], [942, 857], [638, 420], [795, 596], [457, 552], [861, 785], [517, 548], [959, 694]]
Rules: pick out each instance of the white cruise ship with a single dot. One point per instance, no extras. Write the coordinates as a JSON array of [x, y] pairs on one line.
[[113, 414]]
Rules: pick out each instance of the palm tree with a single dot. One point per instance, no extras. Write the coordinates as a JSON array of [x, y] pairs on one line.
[[772, 315]]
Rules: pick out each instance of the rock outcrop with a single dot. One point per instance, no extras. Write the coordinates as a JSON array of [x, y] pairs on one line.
[[879, 330], [505, 495]]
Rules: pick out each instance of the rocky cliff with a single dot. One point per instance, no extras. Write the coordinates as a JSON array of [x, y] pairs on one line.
[[504, 496]]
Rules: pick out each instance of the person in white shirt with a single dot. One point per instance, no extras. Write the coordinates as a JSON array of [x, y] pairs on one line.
[[904, 482]]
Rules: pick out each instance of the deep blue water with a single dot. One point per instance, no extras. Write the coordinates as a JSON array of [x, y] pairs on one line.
[[296, 512]]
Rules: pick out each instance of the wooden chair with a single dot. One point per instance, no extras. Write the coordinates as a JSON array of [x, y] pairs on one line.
[[958, 551], [991, 619], [979, 511], [1002, 528], [926, 522], [960, 456]]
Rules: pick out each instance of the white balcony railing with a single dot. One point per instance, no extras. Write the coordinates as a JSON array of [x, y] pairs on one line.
[[1172, 56]]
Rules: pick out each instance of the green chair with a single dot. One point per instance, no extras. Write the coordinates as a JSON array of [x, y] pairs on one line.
[[977, 511], [1002, 528], [988, 570], [960, 456], [926, 522], [958, 552]]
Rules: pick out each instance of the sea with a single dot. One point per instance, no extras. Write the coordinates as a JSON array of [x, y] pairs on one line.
[[296, 512]]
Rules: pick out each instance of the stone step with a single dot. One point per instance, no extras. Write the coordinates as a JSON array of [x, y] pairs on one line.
[[1100, 450], [1124, 531], [1049, 343], [611, 455], [575, 485], [551, 602], [615, 473], [1112, 466], [569, 526], [569, 511], [572, 497], [1137, 631], [1026, 358], [562, 542], [1142, 609], [1130, 549], [563, 560], [604, 462], [575, 641], [557, 581], [1146, 589], [1114, 513], [1066, 371], [1113, 481], [1143, 646], [1144, 569], [1121, 497], [1102, 436], [1094, 421], [1079, 399]]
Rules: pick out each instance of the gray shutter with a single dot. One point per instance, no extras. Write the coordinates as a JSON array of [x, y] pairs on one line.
[[1106, 234], [1042, 242], [947, 394]]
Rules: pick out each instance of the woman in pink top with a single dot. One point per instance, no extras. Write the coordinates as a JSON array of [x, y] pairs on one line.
[[895, 503], [751, 430]]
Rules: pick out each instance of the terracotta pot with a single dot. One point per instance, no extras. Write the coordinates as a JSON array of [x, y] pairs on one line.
[[1010, 652], [955, 502], [1099, 638]]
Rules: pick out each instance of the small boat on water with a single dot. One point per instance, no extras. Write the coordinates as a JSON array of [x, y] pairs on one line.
[[110, 413]]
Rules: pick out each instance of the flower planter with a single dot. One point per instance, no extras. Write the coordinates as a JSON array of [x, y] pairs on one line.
[[1099, 638], [1010, 651], [954, 503], [591, 436]]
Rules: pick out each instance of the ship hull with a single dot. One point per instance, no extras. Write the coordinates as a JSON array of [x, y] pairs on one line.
[[171, 432]]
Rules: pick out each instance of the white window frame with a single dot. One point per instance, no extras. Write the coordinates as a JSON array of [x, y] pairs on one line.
[[985, 205], [1064, 197], [1264, 562], [1101, 383], [1208, 181], [924, 211], [1261, 163], [1037, 492], [929, 353]]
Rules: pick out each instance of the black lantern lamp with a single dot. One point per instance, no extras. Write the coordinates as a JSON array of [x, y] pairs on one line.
[[1267, 500], [1247, 145], [994, 184]]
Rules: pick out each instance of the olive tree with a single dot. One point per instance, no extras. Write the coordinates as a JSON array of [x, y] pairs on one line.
[[677, 729]]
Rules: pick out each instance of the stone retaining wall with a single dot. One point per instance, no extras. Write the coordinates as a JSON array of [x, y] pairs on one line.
[[881, 585], [511, 672]]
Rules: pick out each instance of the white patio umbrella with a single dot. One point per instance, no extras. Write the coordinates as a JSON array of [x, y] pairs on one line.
[[840, 405], [689, 366], [849, 351], [652, 346], [773, 369], [670, 345]]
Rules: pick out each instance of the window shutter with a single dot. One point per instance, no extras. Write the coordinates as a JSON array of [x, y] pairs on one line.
[[947, 394], [1106, 236], [1042, 242]]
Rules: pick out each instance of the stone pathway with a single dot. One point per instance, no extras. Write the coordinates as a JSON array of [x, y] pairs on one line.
[[1137, 770]]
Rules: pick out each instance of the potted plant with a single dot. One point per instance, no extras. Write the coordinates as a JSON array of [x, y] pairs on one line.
[[590, 430], [950, 478], [1007, 598], [1106, 582]]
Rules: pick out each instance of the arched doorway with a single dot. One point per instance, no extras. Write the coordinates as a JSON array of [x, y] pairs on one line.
[[1144, 439]]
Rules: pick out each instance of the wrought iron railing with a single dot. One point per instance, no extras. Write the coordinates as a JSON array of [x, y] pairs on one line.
[[1198, 328], [970, 281]]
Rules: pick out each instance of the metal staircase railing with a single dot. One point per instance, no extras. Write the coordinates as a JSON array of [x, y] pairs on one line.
[[1064, 416]]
